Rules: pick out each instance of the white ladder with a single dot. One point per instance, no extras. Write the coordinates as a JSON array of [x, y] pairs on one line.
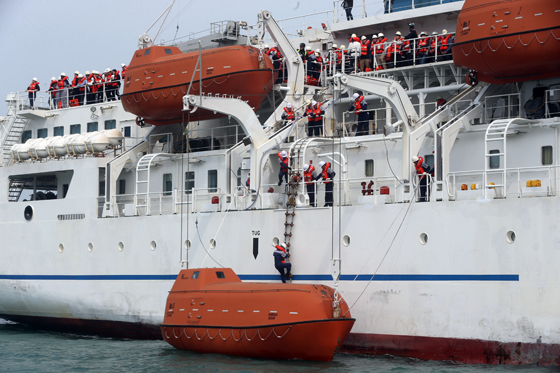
[[14, 128], [142, 192]]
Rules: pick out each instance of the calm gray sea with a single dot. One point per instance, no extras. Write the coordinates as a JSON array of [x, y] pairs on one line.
[[24, 349]]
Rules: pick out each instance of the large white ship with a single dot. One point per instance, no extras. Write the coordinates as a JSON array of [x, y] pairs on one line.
[[99, 214]]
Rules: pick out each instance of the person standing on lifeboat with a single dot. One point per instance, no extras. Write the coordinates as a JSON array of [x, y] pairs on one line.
[[280, 255]]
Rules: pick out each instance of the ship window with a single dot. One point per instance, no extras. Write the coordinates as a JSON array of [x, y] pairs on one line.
[[26, 135], [92, 126], [122, 186], [212, 181], [194, 275], [147, 52], [429, 160], [220, 274], [189, 182], [167, 184], [75, 128], [39, 187], [494, 161], [101, 181], [58, 131], [42, 133], [110, 124], [547, 155], [239, 176], [126, 131], [369, 167], [168, 51]]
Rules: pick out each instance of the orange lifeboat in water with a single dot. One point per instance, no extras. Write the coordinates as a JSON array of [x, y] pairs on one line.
[[211, 310], [159, 76], [509, 40]]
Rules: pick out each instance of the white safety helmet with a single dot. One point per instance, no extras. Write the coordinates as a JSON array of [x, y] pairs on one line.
[[107, 70], [322, 163], [305, 167], [76, 73], [313, 102], [398, 33], [342, 47], [444, 31], [434, 33], [355, 96], [34, 79], [53, 79], [363, 37], [307, 48], [353, 36], [335, 45], [283, 244], [318, 51], [283, 154], [374, 36], [123, 65], [62, 74], [423, 33], [380, 35], [87, 73], [289, 105], [80, 76], [266, 46], [415, 159]]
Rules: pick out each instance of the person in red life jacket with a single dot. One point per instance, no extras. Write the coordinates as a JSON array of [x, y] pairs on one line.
[[319, 65], [289, 113], [309, 176], [116, 84], [74, 84], [280, 255], [81, 88], [354, 51], [446, 41], [364, 53], [393, 56], [63, 87], [327, 174], [284, 161], [434, 46], [123, 69], [99, 83], [52, 93], [422, 49], [107, 80], [314, 114], [32, 92], [423, 170], [360, 107], [440, 102], [380, 50]]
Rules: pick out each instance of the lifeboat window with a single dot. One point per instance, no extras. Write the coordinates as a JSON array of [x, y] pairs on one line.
[[92, 126], [58, 131], [547, 155], [26, 135], [195, 275], [189, 182], [39, 187], [220, 274], [75, 129], [167, 184], [147, 52], [212, 181], [168, 51], [494, 160], [122, 186], [126, 131], [110, 124], [42, 133], [369, 167]]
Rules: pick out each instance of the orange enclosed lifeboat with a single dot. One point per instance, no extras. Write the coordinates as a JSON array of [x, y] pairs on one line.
[[509, 40], [159, 76], [211, 310]]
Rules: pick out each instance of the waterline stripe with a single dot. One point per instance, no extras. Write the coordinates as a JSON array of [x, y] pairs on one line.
[[320, 277]]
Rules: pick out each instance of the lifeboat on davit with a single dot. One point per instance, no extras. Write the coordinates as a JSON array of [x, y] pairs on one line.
[[211, 310], [159, 76], [509, 40]]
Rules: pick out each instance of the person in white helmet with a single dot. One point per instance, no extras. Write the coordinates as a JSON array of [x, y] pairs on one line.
[[280, 254], [289, 113], [32, 92], [81, 87], [314, 114], [123, 69], [284, 161], [63, 85], [309, 176], [360, 107], [327, 174], [422, 170], [348, 5], [380, 51], [52, 93]]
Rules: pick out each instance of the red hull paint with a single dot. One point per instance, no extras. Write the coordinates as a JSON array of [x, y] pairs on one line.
[[317, 340], [509, 40]]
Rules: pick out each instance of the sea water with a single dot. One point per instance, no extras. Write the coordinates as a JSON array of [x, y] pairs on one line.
[[25, 349]]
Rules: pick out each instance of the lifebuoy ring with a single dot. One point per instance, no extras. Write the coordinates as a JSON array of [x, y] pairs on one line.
[[140, 121]]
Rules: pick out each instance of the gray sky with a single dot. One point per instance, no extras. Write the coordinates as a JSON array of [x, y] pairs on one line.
[[45, 38]]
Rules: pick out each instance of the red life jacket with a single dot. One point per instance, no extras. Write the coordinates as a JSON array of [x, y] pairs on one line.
[[53, 88], [325, 175], [115, 79], [380, 46], [290, 114], [392, 49], [61, 82], [365, 48], [419, 169], [278, 247], [308, 175], [423, 45], [317, 112], [285, 162], [75, 81], [82, 88], [319, 59], [435, 40], [354, 39], [124, 71], [33, 86], [358, 105], [338, 56], [405, 48], [444, 42]]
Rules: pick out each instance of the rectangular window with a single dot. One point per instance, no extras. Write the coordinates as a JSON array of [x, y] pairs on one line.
[[212, 181], [147, 52], [167, 184], [75, 128], [126, 131], [168, 51], [369, 167], [26, 135], [189, 182], [547, 155], [429, 160], [58, 131], [110, 124], [101, 181], [494, 161], [122, 186], [42, 133], [92, 126]]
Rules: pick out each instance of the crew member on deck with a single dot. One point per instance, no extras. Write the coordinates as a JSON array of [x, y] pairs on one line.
[[32, 89], [360, 107], [284, 161], [364, 53], [422, 169], [289, 113], [280, 255], [327, 175], [52, 93], [314, 115], [309, 176], [63, 85]]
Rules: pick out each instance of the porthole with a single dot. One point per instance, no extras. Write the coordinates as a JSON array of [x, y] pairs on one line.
[[276, 241], [423, 238], [121, 246], [60, 247], [346, 240], [28, 213], [187, 244], [153, 245], [212, 243], [90, 247], [510, 236]]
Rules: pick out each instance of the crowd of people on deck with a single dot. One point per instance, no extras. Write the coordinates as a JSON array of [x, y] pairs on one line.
[[88, 88]]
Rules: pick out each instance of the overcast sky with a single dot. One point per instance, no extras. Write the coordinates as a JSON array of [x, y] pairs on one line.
[[45, 38]]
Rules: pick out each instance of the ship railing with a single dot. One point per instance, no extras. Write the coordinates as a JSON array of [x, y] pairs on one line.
[[208, 199], [160, 203], [505, 106], [552, 103], [369, 8], [206, 139], [543, 181]]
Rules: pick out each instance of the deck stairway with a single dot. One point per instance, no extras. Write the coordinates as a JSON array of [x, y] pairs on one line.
[[14, 125], [15, 189]]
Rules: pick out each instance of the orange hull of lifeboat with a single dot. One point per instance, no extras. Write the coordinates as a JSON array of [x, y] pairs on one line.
[[158, 78], [210, 310], [509, 40]]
